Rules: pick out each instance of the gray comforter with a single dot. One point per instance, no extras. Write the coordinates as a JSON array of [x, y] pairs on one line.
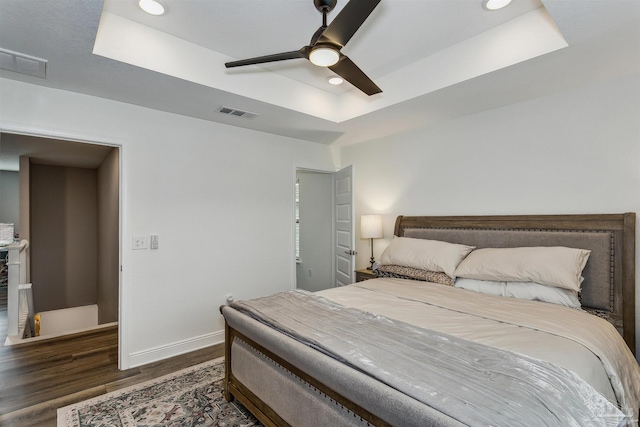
[[471, 382]]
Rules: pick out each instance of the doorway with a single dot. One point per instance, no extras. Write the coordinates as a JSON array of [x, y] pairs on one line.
[[314, 223], [69, 209], [324, 229]]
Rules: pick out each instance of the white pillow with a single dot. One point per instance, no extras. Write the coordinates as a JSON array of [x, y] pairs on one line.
[[522, 290], [431, 255], [483, 286], [554, 266], [537, 292]]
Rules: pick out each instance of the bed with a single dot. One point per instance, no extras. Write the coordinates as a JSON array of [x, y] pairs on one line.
[[285, 380]]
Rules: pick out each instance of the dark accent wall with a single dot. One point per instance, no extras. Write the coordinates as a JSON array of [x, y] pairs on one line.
[[108, 238], [64, 233]]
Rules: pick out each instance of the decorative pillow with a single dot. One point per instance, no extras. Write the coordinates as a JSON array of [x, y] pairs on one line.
[[553, 266], [423, 254], [403, 272], [522, 290]]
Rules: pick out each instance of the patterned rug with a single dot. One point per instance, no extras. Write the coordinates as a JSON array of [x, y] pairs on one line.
[[190, 397]]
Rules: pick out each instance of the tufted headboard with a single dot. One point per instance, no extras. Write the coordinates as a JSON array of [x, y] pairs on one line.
[[608, 289]]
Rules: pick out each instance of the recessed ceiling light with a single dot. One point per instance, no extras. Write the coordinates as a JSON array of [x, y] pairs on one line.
[[324, 56], [495, 4], [152, 7], [335, 80]]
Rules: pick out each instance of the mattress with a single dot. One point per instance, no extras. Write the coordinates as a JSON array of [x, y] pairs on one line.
[[567, 337]]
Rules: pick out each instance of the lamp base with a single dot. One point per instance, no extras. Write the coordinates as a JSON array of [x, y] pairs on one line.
[[372, 261]]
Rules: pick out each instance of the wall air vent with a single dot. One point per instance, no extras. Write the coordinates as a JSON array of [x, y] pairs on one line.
[[238, 113], [23, 64]]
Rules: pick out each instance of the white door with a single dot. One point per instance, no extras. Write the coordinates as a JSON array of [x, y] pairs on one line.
[[343, 227]]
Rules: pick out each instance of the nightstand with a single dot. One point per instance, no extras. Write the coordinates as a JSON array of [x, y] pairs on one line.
[[364, 274]]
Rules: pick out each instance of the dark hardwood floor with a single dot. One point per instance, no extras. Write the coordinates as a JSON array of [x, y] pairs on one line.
[[37, 378]]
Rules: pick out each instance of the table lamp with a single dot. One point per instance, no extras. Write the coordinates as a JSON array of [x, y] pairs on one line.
[[371, 228]]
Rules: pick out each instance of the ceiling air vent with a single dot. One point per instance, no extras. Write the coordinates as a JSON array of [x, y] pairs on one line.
[[23, 64], [238, 113]]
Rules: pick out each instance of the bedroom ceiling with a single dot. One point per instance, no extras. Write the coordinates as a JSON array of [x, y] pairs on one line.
[[408, 47], [434, 59]]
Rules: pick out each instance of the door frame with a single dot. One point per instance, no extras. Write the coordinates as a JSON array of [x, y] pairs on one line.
[[42, 132]]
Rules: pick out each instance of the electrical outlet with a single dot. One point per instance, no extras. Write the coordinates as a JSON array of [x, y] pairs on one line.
[[154, 241], [139, 242]]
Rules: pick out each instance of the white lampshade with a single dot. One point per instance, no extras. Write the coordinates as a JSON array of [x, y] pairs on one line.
[[371, 227]]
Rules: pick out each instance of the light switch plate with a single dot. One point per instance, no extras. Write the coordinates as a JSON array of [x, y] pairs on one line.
[[154, 241], [139, 242]]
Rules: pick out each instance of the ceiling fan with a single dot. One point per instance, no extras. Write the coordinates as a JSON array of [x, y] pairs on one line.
[[325, 45]]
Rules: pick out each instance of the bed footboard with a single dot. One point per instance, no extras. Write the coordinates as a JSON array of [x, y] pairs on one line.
[[283, 382]]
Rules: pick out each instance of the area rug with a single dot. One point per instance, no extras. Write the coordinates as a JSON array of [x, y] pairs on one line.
[[190, 397]]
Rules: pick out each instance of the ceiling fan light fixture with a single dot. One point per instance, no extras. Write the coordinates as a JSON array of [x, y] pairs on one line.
[[152, 7], [495, 4], [335, 80], [324, 56], [324, 48]]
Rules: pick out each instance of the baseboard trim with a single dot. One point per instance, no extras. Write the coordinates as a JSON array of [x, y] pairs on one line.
[[177, 348]]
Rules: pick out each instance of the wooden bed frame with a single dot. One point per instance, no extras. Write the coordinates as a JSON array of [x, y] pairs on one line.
[[619, 310]]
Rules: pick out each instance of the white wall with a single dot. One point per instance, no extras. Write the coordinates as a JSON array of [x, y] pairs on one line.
[[573, 152], [219, 197]]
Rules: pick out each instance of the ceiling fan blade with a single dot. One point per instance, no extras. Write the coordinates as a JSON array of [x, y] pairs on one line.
[[349, 71], [348, 21], [302, 53]]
